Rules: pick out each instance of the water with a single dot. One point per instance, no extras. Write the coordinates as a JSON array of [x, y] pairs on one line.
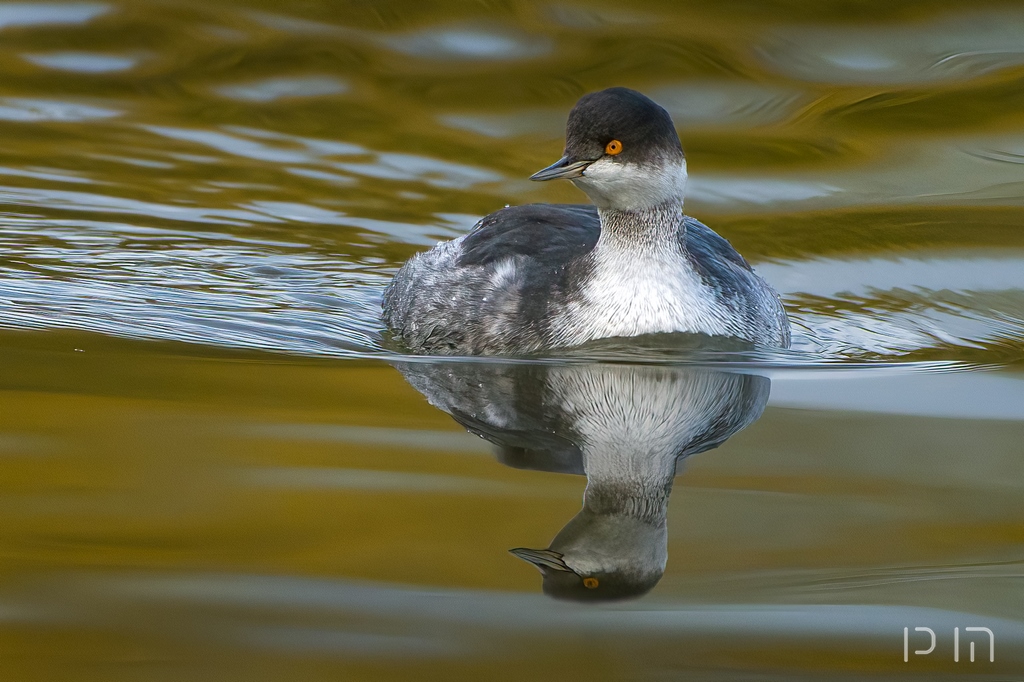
[[212, 465]]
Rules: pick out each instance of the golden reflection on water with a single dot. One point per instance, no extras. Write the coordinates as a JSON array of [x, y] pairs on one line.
[[230, 184], [220, 512]]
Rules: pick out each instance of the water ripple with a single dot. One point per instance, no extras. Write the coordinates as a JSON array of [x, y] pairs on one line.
[[954, 47], [273, 89], [205, 199], [28, 110], [14, 14], [82, 62]]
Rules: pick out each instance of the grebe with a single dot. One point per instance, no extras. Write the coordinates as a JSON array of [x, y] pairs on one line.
[[543, 276]]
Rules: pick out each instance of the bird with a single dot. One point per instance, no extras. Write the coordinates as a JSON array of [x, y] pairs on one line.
[[626, 427], [537, 277]]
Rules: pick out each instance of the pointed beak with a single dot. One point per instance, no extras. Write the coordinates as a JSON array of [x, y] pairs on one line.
[[563, 168], [542, 558]]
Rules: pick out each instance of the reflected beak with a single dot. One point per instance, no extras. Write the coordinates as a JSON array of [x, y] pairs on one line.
[[563, 168], [542, 559]]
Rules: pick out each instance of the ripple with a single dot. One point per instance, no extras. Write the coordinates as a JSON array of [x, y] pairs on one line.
[[546, 122], [347, 644], [333, 178], [514, 614], [955, 47], [49, 13], [296, 25], [275, 295], [233, 144], [212, 289], [373, 437], [436, 172], [830, 277], [732, 191], [28, 110], [725, 103], [892, 325], [967, 170], [318, 478], [468, 44], [101, 203], [899, 305], [238, 141], [969, 395], [51, 175], [272, 89], [176, 214], [82, 62]]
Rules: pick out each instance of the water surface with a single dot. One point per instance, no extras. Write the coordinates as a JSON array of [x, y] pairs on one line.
[[210, 469]]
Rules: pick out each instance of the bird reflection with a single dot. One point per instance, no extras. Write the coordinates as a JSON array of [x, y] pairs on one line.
[[625, 426]]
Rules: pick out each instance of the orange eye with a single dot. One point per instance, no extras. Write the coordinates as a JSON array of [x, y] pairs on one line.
[[590, 583], [613, 148]]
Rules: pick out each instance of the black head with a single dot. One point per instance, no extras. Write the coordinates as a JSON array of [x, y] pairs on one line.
[[598, 587], [562, 582], [618, 126], [641, 126]]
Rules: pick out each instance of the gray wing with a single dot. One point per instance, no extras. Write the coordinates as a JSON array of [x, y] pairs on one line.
[[502, 404], [488, 291], [549, 234], [724, 270]]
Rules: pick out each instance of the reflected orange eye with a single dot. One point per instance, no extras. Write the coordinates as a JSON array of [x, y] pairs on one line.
[[591, 583], [613, 148]]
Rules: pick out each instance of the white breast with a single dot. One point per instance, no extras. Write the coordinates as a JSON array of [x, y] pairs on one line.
[[640, 291]]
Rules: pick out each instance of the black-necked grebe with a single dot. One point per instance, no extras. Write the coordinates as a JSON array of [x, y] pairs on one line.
[[627, 427], [542, 276]]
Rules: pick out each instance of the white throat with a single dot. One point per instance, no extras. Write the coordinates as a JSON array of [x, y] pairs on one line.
[[633, 187]]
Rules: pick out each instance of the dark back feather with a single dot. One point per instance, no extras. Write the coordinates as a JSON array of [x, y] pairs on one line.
[[551, 234]]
